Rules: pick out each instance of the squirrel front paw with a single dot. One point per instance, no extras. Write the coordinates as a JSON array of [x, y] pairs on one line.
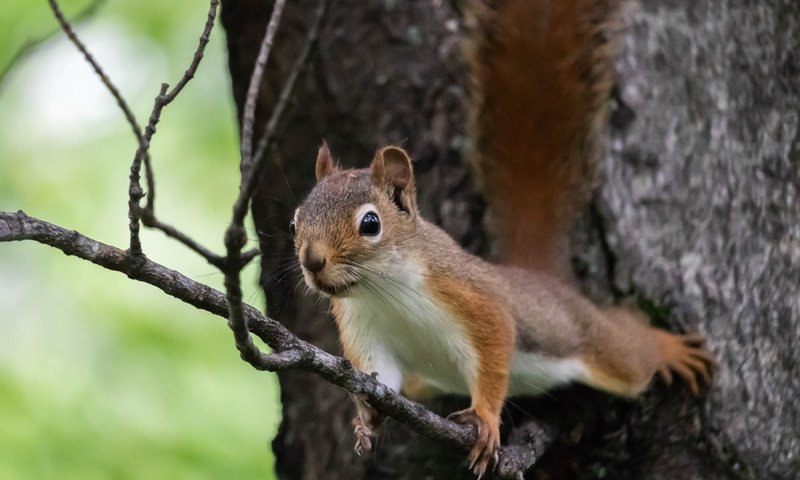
[[363, 436], [484, 453]]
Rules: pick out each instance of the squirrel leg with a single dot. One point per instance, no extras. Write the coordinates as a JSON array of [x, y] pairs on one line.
[[382, 367], [485, 451], [365, 423], [485, 416], [634, 352], [487, 402], [490, 330]]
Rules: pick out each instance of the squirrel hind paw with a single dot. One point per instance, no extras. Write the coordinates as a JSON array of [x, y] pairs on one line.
[[363, 437], [686, 356], [485, 453]]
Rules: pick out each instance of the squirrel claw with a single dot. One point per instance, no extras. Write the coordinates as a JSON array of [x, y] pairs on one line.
[[363, 437], [688, 359], [466, 417], [485, 453]]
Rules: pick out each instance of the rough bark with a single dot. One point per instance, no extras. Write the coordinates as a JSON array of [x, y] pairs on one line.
[[702, 205], [697, 222]]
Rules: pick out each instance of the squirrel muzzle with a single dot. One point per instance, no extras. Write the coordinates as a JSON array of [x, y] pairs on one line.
[[320, 272]]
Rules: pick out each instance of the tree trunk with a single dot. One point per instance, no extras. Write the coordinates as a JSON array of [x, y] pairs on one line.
[[698, 223]]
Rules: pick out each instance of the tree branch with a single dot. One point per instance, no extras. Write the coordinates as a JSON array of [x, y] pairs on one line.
[[235, 236], [149, 220], [164, 98], [526, 444], [249, 115], [73, 37], [271, 127], [249, 181], [291, 352], [135, 193]]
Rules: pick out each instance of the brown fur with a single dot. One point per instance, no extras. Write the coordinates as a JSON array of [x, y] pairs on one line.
[[542, 73]]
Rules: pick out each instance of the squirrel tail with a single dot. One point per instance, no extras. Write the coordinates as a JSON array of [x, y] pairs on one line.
[[542, 72]]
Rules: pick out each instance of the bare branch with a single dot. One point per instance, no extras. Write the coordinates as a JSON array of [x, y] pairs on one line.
[[67, 28], [149, 220], [235, 236], [135, 192], [165, 98], [527, 443], [249, 255], [249, 115], [291, 352], [271, 127], [19, 226], [270, 130]]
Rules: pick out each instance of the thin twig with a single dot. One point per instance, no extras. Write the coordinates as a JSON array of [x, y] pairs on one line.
[[88, 11], [249, 114], [235, 236], [67, 28], [162, 100], [270, 130], [135, 192], [152, 222], [211, 257], [249, 181], [291, 351], [249, 255], [234, 241]]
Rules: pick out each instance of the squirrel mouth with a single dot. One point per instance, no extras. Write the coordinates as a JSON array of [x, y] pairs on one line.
[[334, 290]]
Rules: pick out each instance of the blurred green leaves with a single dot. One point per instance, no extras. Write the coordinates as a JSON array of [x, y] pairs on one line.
[[101, 377]]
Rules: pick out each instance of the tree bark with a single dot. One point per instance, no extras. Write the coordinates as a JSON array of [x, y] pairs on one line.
[[698, 223], [702, 206]]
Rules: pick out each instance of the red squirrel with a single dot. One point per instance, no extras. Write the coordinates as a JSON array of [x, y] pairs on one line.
[[426, 316]]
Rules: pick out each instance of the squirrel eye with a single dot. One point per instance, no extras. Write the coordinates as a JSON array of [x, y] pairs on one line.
[[292, 227], [370, 225]]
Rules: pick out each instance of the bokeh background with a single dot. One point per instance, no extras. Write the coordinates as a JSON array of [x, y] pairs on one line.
[[101, 377]]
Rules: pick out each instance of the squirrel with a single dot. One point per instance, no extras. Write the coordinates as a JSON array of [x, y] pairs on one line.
[[425, 316]]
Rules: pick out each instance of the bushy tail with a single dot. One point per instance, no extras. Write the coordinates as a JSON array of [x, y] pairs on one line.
[[542, 75]]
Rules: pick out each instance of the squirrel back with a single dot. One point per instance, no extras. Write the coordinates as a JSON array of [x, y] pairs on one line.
[[542, 72]]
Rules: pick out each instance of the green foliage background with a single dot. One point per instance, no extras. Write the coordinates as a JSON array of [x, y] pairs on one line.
[[101, 377]]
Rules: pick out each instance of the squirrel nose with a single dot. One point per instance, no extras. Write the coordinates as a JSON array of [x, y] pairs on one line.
[[313, 261]]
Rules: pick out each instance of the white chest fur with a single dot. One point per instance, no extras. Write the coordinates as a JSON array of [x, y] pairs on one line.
[[396, 327]]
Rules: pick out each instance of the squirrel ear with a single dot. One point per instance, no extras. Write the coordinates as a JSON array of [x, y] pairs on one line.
[[392, 169], [325, 165]]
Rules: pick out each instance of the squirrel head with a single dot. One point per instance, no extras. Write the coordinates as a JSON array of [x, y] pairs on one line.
[[349, 227]]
